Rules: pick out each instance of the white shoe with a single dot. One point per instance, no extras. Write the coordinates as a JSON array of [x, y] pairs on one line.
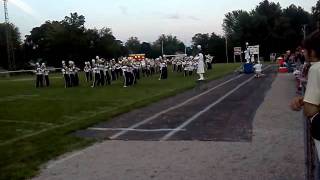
[[125, 86]]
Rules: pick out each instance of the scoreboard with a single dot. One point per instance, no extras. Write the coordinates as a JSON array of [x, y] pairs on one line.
[[137, 57]]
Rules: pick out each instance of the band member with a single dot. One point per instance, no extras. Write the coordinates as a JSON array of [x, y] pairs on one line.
[[107, 76], [113, 70], [72, 74], [87, 70], [185, 68], [97, 80], [76, 75], [45, 74], [101, 68], [209, 62], [164, 70], [39, 76], [66, 75], [125, 75]]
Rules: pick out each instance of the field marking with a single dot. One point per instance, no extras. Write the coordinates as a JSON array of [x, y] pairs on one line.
[[26, 122], [190, 120], [17, 97], [54, 127], [101, 112], [27, 79], [172, 108], [137, 130]]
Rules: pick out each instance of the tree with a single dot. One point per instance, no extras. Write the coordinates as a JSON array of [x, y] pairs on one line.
[[68, 39], [216, 47], [171, 45], [201, 39], [316, 14], [273, 28], [74, 21], [15, 43], [133, 45], [146, 49]]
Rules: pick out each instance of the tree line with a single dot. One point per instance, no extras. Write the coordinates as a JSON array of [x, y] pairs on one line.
[[274, 28]]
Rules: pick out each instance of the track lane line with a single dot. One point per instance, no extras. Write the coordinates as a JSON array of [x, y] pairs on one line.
[[135, 130], [190, 120], [172, 108]]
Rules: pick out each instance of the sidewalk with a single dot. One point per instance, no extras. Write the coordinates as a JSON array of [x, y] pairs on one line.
[[276, 151]]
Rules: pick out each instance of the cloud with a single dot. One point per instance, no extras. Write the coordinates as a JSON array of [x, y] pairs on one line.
[[193, 18], [124, 10], [173, 16], [179, 17], [24, 7]]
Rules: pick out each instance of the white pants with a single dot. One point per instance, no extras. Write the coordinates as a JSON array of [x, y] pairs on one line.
[[317, 143]]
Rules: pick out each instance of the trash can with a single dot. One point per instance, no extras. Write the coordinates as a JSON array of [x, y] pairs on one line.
[[248, 68]]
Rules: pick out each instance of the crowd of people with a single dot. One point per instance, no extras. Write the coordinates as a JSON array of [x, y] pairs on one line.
[[310, 73], [102, 72]]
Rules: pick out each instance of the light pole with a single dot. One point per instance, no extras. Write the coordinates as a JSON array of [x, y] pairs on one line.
[[226, 37], [162, 47], [304, 31]]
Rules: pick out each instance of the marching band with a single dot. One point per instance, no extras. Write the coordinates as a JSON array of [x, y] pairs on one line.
[[100, 72]]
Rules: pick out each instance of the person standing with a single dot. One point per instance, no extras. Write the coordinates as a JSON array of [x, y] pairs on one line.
[[39, 76], [66, 74], [163, 70], [113, 71], [201, 66], [76, 75], [311, 100], [125, 75], [72, 74], [45, 74], [96, 77], [107, 76], [87, 70], [209, 62]]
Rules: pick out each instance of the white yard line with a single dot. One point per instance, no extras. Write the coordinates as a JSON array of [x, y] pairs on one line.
[[136, 130], [53, 127], [172, 108], [26, 122], [17, 97], [190, 120], [27, 79]]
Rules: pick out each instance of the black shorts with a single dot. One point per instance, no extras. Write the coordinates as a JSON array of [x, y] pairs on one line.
[[315, 127]]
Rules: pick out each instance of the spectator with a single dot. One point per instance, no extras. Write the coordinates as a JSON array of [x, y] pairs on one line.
[[311, 101]]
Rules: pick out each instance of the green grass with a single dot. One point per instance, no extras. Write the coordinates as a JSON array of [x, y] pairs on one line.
[[35, 124]]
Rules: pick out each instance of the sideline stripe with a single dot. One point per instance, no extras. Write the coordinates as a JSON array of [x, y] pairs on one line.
[[26, 122], [53, 127], [17, 97], [137, 130], [30, 79], [188, 121], [172, 108]]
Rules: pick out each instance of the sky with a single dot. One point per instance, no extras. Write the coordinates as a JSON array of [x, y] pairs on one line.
[[145, 19]]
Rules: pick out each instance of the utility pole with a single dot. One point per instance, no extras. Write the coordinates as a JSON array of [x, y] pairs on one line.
[[162, 47], [10, 51], [227, 50], [304, 30]]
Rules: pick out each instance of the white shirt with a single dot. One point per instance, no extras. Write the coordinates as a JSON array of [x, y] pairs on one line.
[[39, 71], [312, 94], [87, 68], [258, 67]]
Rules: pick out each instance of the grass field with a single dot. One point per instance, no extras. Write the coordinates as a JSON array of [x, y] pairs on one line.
[[35, 124]]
